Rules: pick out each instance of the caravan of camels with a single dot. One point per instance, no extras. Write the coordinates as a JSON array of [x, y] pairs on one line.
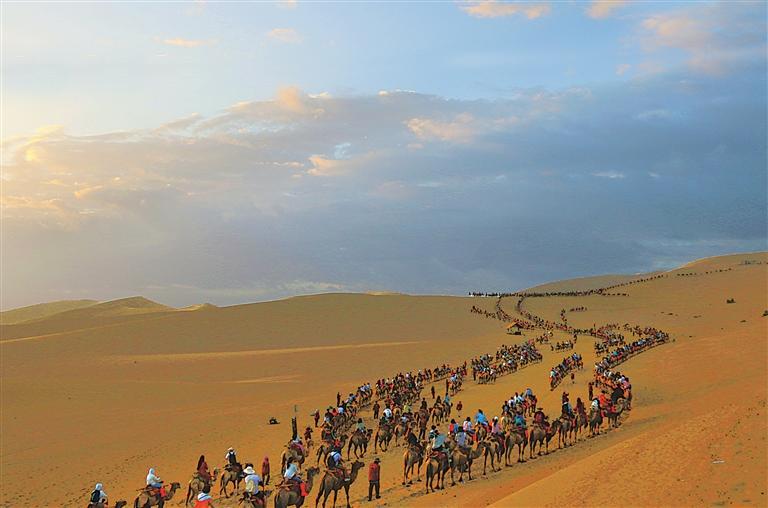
[[419, 412]]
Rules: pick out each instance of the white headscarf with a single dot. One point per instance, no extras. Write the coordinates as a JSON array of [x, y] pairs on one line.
[[203, 496]]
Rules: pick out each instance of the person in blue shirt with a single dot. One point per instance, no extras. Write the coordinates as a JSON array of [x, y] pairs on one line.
[[480, 418]]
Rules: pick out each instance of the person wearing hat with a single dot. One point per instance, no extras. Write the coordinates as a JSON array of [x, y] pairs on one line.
[[374, 473], [231, 458], [98, 497], [253, 483], [204, 499]]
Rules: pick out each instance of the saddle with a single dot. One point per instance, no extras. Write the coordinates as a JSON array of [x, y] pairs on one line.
[[296, 447], [338, 472], [436, 454]]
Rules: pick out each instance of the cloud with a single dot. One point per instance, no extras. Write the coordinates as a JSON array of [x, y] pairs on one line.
[[496, 9], [622, 69], [714, 37], [600, 9], [612, 175], [403, 191], [186, 43], [287, 4], [286, 35], [459, 130]]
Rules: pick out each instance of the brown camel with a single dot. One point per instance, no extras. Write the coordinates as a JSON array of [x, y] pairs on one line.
[[359, 442], [563, 432], [437, 466], [401, 430], [462, 461], [290, 453], [119, 504], [147, 500], [614, 412], [333, 482], [254, 502], [382, 438], [595, 421], [412, 457], [292, 496], [326, 447], [495, 450], [196, 484], [517, 438], [542, 437], [233, 476], [581, 423]]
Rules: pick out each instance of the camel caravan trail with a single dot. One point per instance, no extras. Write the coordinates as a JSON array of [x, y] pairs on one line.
[[641, 390]]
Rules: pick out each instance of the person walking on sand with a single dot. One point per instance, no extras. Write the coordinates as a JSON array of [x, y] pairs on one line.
[[374, 473], [265, 470]]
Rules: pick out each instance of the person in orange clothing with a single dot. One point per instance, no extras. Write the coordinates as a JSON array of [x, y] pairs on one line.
[[204, 499], [374, 473]]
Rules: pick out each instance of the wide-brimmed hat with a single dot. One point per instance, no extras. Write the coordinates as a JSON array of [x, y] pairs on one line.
[[249, 470]]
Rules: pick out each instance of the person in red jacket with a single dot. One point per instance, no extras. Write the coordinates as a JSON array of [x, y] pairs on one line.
[[374, 472]]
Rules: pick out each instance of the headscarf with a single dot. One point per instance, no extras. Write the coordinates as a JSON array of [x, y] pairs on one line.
[[99, 487], [203, 496]]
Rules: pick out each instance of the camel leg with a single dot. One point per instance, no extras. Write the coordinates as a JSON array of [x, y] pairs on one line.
[[346, 491]]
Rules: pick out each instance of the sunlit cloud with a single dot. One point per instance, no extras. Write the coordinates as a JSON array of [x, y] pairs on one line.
[[286, 35], [497, 9], [186, 43], [622, 69], [600, 9]]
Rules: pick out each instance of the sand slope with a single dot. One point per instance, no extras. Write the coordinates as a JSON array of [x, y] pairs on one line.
[[105, 397], [42, 310]]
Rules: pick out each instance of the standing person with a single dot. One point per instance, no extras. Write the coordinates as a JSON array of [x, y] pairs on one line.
[[265, 470], [376, 408], [316, 415], [433, 392], [573, 377], [338, 399], [589, 385], [374, 473]]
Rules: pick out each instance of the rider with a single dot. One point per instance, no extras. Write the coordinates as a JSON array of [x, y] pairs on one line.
[[202, 470], [155, 482], [387, 413], [98, 496], [360, 427], [335, 462], [291, 476], [253, 482], [231, 458], [462, 440], [480, 418]]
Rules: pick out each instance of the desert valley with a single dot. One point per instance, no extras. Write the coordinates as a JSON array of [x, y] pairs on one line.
[[100, 392]]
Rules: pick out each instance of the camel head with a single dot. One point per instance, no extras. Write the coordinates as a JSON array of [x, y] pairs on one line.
[[215, 473], [312, 472], [356, 465], [121, 503], [175, 486]]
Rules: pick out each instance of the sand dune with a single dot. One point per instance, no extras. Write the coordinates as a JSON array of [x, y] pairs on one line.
[[42, 310], [107, 396]]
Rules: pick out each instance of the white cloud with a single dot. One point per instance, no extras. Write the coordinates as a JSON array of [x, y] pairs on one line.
[[286, 35], [287, 4], [186, 43], [496, 9], [612, 175], [600, 9]]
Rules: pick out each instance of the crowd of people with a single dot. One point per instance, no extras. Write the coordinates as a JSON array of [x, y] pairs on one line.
[[560, 371]]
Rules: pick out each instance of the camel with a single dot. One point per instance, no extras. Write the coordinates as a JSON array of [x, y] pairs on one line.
[[462, 461], [146, 500], [249, 502], [494, 449], [292, 496], [542, 437], [359, 441], [401, 430], [436, 466], [563, 431], [614, 412], [196, 484], [332, 483], [412, 457], [291, 453], [233, 476], [437, 414], [382, 438], [119, 504], [515, 438], [325, 448], [581, 422], [595, 421]]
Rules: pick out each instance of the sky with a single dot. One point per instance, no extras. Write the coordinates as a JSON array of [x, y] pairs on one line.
[[232, 152]]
